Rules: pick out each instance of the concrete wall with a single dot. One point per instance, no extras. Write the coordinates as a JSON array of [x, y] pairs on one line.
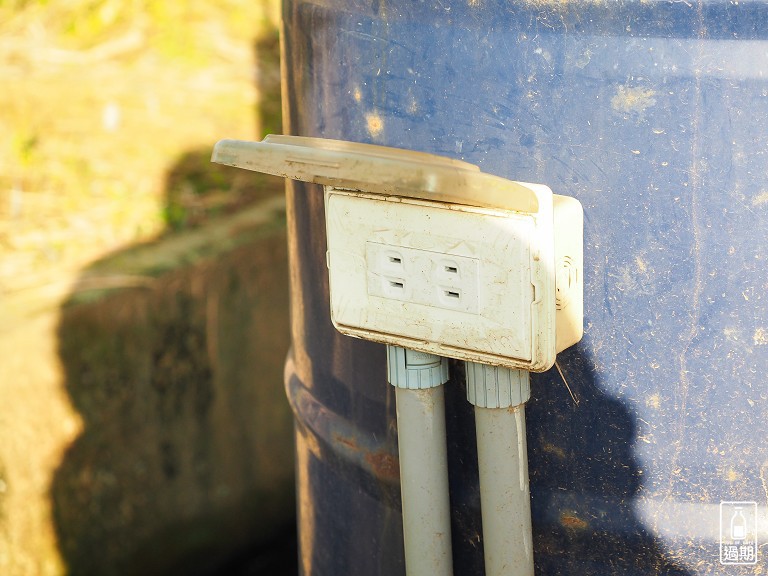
[[143, 423]]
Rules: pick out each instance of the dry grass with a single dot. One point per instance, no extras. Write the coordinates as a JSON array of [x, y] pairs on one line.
[[108, 111]]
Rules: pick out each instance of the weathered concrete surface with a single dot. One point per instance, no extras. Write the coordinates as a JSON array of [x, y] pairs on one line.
[[143, 424]]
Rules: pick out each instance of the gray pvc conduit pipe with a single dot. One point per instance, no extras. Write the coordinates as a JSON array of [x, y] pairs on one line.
[[499, 396], [418, 378]]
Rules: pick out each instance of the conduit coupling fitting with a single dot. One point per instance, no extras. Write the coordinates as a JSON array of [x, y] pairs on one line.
[[413, 370], [496, 387]]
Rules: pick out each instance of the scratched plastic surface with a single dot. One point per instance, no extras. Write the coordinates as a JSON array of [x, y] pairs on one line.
[[655, 116]]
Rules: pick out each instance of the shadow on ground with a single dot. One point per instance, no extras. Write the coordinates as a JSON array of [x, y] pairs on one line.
[[173, 355]]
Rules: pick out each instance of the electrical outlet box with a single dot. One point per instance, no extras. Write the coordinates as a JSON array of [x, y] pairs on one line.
[[431, 254], [454, 280]]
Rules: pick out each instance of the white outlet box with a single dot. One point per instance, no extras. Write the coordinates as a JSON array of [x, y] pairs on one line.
[[432, 254], [460, 281]]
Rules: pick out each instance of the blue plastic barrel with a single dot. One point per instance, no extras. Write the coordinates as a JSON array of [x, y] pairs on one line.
[[654, 114]]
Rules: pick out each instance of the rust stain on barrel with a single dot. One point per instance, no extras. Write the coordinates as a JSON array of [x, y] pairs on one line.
[[385, 465], [382, 463], [570, 521]]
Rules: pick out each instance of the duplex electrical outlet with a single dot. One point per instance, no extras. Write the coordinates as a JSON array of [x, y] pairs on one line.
[[422, 277], [432, 254]]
